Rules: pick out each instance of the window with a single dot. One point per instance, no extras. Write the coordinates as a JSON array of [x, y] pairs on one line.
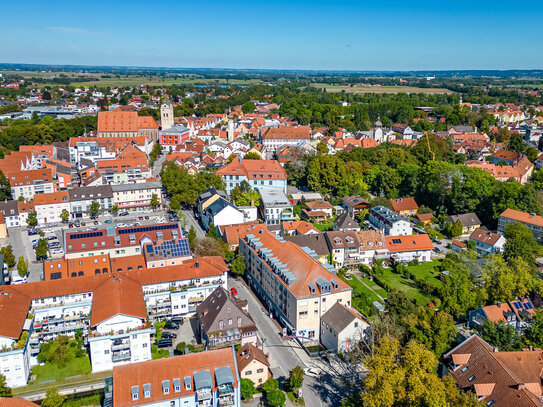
[[248, 372], [464, 369], [230, 321], [472, 378], [260, 370]]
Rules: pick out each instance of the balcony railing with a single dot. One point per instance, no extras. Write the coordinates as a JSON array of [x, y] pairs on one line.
[[121, 356], [121, 346]]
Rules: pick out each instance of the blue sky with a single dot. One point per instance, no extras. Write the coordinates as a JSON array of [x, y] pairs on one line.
[[350, 35]]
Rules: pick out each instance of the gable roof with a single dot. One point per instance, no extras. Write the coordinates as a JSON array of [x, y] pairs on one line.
[[409, 243], [485, 236], [467, 219], [300, 226], [314, 241], [340, 317], [345, 221], [403, 204], [524, 217], [248, 353], [284, 132]]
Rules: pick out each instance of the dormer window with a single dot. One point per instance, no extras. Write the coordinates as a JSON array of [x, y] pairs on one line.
[[147, 390], [134, 390]]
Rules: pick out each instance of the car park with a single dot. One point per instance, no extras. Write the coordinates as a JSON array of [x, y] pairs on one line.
[[164, 343]]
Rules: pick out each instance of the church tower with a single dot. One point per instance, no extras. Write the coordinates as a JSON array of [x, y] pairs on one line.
[[166, 114], [378, 131], [230, 131]]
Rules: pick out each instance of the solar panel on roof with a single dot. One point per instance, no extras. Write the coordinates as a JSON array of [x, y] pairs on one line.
[[527, 305], [517, 305], [396, 241]]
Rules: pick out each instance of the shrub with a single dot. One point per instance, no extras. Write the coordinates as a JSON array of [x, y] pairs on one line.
[[276, 398], [247, 388], [270, 384]]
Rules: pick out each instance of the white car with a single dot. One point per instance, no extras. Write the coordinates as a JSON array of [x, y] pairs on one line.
[[57, 251], [311, 371], [17, 279], [48, 231]]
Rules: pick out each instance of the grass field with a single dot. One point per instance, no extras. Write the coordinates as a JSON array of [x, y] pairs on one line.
[[50, 371], [133, 80], [373, 285], [397, 282], [426, 270], [379, 89]]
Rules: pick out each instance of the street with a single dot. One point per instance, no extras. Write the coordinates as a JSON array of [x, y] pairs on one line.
[[191, 221], [284, 355]]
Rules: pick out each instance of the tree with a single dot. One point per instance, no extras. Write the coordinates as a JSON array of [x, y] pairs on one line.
[[520, 242], [155, 152], [22, 266], [9, 257], [532, 153], [516, 143], [53, 398], [154, 201], [212, 232], [65, 215], [208, 247], [534, 333], [115, 209], [276, 398], [42, 249], [94, 208], [296, 378], [248, 107], [270, 384], [501, 335], [5, 187], [252, 155], [247, 388], [32, 219], [5, 391], [191, 235], [238, 265]]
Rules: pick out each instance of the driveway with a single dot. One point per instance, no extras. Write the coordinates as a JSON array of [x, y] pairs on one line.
[[191, 221]]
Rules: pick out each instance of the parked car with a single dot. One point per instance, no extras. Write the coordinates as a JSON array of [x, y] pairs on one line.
[[40, 258], [178, 320], [436, 249], [51, 238], [57, 251], [234, 291], [107, 221], [96, 222], [83, 224], [164, 343], [171, 325], [123, 214], [140, 217], [169, 335], [47, 230], [32, 232], [314, 372], [17, 279], [146, 217]]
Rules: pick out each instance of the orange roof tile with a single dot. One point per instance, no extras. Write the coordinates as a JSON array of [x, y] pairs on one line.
[[523, 217], [408, 243]]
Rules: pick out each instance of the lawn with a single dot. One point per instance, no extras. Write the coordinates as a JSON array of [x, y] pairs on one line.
[[323, 227], [425, 270], [50, 371], [379, 89], [372, 284], [397, 282]]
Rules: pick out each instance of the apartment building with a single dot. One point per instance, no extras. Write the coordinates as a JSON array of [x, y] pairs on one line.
[[407, 248], [112, 310], [531, 220], [202, 379], [81, 199], [273, 138], [275, 207], [117, 242], [136, 196], [294, 286], [393, 224], [260, 174], [49, 207], [31, 182]]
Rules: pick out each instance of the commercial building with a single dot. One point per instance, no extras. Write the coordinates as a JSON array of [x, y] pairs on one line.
[[293, 285], [31, 182], [273, 138], [81, 199], [393, 224], [49, 207], [136, 196], [209, 378]]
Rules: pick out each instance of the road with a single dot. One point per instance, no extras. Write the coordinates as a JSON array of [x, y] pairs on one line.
[[191, 221], [284, 355]]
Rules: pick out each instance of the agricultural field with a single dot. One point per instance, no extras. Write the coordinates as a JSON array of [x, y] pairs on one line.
[[379, 89]]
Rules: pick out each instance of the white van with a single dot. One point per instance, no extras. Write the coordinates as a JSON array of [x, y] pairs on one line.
[[17, 279]]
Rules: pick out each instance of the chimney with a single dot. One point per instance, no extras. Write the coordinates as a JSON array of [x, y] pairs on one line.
[[252, 202], [197, 264], [499, 304]]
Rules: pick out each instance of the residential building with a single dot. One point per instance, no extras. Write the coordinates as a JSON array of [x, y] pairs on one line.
[[49, 207], [31, 182], [209, 378], [10, 211], [516, 313], [393, 224], [342, 328], [499, 379], [117, 242], [136, 196], [318, 210], [166, 253], [272, 138], [260, 174], [221, 213], [424, 218], [345, 223], [275, 207], [533, 221], [470, 222], [314, 244], [343, 248], [298, 227], [112, 311], [411, 247], [404, 206], [371, 246], [458, 246], [230, 234], [294, 286], [207, 197], [354, 204], [81, 199], [253, 364], [487, 243], [224, 320], [298, 197]]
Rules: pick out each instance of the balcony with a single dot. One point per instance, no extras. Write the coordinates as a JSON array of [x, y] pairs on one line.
[[119, 356], [121, 346]]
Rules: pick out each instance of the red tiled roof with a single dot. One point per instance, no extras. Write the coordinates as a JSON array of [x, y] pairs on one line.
[[253, 168], [403, 204], [155, 372], [283, 132], [484, 236], [409, 243], [300, 226], [523, 217]]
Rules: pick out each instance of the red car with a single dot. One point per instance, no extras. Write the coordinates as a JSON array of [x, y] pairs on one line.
[[234, 291]]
